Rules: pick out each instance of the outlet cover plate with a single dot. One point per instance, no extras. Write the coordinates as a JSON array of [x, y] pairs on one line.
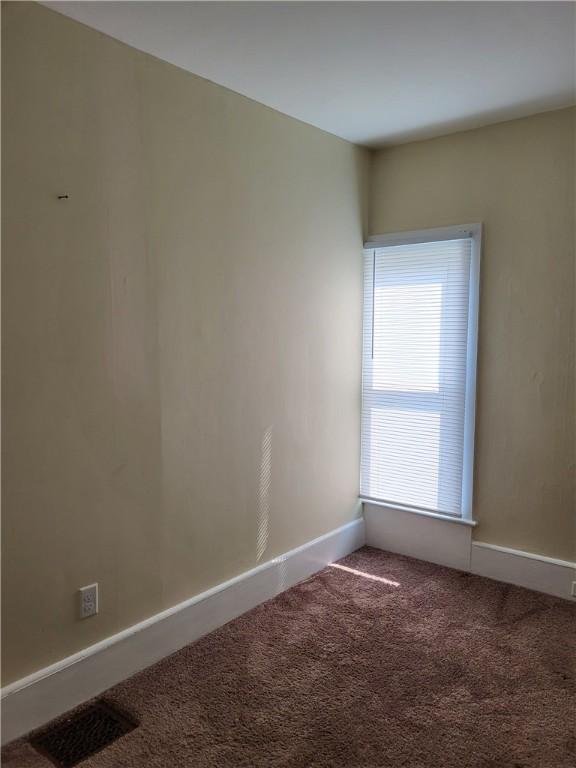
[[88, 601]]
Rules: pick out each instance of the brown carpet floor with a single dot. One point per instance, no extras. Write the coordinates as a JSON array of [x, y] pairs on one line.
[[384, 663]]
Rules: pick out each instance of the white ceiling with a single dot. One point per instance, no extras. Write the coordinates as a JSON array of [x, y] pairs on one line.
[[371, 72]]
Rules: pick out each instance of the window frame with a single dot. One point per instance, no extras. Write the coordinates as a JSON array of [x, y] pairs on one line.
[[437, 234]]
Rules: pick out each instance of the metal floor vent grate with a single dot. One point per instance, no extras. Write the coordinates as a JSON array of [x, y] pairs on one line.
[[68, 743]]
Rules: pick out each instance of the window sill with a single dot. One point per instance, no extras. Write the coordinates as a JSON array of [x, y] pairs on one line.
[[421, 512]]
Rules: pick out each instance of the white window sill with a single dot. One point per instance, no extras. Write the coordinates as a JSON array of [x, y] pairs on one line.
[[422, 512]]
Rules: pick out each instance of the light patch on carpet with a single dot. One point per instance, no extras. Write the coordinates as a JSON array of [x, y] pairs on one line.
[[370, 576]]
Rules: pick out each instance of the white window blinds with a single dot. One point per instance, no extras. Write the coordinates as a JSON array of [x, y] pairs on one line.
[[418, 385]]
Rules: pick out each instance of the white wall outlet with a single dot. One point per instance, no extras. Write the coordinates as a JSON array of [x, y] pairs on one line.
[[88, 600]]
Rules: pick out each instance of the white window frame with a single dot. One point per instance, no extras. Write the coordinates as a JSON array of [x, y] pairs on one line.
[[474, 232]]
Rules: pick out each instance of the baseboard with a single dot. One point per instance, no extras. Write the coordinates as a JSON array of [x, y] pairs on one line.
[[444, 542], [48, 693], [449, 543], [543, 574]]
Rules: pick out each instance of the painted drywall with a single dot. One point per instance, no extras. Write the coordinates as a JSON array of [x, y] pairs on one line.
[[518, 179], [181, 335]]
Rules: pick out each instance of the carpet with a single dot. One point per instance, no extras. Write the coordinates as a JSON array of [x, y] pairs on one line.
[[378, 661]]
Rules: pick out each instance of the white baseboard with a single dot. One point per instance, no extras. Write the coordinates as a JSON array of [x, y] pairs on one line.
[[440, 541], [543, 574], [450, 543], [48, 693]]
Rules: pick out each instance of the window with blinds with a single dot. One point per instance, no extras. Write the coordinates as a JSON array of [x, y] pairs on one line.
[[419, 370]]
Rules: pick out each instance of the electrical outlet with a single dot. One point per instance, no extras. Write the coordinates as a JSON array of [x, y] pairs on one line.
[[88, 601]]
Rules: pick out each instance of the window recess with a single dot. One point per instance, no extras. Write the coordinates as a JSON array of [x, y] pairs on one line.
[[419, 369]]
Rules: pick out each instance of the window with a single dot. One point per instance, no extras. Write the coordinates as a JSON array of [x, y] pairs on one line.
[[419, 369]]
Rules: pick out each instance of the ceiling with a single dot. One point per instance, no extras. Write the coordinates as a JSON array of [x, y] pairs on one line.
[[374, 73]]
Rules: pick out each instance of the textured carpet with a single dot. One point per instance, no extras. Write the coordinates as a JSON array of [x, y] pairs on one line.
[[380, 661]]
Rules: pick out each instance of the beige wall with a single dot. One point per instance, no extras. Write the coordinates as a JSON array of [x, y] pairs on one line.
[[190, 319], [517, 178], [189, 316]]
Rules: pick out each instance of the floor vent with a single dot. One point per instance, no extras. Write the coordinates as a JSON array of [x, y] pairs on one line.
[[70, 741]]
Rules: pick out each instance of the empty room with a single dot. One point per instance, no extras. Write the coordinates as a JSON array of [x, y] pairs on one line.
[[288, 384]]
